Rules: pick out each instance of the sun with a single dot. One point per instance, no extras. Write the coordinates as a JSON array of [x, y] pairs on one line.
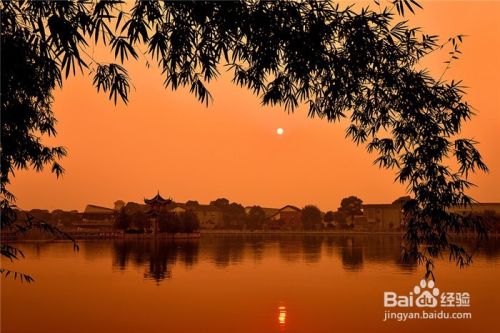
[[280, 131]]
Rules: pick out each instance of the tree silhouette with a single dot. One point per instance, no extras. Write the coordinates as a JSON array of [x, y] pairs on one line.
[[190, 221], [256, 218], [329, 218], [139, 221], [351, 206], [221, 203], [311, 217], [361, 64]]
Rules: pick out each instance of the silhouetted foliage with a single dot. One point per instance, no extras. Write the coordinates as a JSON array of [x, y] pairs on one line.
[[363, 64], [139, 221], [65, 218], [173, 223], [311, 217], [341, 219], [168, 222], [255, 218], [15, 222], [233, 213], [41, 214], [234, 216], [220, 203], [190, 222], [192, 203], [350, 207], [329, 218]]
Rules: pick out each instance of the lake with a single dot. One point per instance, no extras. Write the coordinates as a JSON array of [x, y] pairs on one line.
[[236, 283]]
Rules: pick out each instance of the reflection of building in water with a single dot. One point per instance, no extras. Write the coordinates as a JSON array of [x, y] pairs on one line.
[[157, 257]]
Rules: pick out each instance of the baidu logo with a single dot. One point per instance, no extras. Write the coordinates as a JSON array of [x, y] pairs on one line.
[[426, 301], [426, 295], [423, 295]]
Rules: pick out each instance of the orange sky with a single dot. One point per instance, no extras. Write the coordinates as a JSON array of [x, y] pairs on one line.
[[168, 141]]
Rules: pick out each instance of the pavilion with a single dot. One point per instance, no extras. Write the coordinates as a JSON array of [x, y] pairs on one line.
[[155, 205]]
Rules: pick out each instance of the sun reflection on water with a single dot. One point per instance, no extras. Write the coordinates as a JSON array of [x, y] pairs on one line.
[[282, 317]]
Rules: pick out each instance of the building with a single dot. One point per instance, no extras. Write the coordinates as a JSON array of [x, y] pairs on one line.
[[210, 217], [380, 216], [131, 208], [267, 211], [96, 217], [157, 202], [478, 209], [155, 205], [391, 216], [287, 218]]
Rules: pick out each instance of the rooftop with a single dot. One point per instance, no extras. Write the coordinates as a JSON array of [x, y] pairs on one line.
[[157, 200]]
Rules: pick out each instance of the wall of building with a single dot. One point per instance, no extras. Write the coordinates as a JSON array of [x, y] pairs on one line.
[[209, 219], [479, 208], [385, 217]]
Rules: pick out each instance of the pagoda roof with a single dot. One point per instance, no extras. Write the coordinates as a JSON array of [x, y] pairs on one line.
[[157, 200]]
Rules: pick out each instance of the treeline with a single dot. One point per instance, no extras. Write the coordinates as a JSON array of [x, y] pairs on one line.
[[167, 221], [309, 217], [57, 216]]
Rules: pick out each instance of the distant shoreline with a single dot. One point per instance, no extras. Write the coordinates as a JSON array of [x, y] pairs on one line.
[[297, 232], [317, 232], [197, 235]]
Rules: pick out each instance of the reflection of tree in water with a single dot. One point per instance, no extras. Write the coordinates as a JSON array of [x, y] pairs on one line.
[[93, 250], [290, 248], [157, 256], [227, 250], [257, 246], [354, 250], [189, 252], [386, 250], [311, 247], [329, 245], [489, 249], [351, 253]]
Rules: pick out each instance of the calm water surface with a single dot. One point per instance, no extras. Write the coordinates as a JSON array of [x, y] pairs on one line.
[[235, 284]]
